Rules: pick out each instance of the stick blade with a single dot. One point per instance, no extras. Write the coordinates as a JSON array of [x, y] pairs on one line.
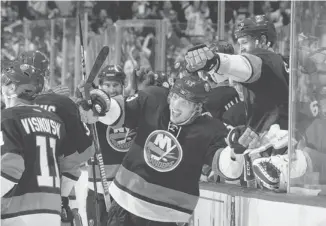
[[100, 59]]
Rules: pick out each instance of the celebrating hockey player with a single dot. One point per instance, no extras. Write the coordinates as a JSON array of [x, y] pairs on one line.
[[259, 73], [34, 152], [79, 142], [114, 143], [157, 183]]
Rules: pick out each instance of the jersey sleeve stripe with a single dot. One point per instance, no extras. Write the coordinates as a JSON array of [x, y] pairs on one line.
[[38, 202], [12, 166], [165, 196]]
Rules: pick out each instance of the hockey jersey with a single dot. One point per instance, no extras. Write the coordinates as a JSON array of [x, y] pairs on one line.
[[269, 94], [221, 99], [31, 143], [159, 176], [114, 143], [78, 135]]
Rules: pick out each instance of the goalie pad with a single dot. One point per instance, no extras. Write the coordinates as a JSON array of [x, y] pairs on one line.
[[227, 164]]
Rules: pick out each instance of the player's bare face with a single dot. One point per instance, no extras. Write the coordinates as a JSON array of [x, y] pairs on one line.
[[113, 88], [246, 43], [180, 109]]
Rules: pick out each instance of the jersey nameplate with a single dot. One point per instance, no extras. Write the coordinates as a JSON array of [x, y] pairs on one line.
[[120, 139], [162, 151]]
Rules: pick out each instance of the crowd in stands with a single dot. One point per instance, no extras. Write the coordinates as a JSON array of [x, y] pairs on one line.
[[189, 22]]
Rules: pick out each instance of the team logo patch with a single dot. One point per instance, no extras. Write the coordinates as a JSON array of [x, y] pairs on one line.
[[162, 151], [120, 139], [132, 97]]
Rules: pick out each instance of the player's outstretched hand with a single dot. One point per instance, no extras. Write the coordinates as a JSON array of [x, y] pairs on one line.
[[201, 57]]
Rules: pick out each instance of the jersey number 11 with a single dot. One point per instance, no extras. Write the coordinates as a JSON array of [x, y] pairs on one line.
[[48, 162]]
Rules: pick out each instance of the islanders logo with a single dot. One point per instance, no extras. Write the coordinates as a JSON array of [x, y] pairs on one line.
[[162, 151], [120, 139]]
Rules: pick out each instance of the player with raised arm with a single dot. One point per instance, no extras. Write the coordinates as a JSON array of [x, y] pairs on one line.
[[259, 73], [157, 182], [114, 143]]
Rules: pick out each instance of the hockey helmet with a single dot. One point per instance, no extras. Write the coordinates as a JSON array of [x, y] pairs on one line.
[[36, 59], [29, 80], [256, 27], [112, 73], [192, 88]]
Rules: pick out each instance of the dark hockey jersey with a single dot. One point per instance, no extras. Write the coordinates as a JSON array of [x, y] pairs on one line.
[[159, 176], [78, 135], [32, 141], [220, 100], [269, 94], [114, 143]]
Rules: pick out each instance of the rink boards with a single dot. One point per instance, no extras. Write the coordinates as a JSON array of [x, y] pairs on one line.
[[225, 205]]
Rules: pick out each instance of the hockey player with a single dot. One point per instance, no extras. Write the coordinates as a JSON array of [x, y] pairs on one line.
[[114, 143], [260, 74], [33, 148], [79, 141], [41, 61], [223, 97], [157, 183]]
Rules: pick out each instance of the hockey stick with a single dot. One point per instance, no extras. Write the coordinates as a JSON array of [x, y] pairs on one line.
[[98, 155]]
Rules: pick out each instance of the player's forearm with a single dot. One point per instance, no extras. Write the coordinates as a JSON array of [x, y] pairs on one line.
[[244, 68]]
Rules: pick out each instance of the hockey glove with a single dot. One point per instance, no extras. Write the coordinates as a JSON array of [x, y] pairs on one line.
[[201, 57], [241, 138], [66, 213]]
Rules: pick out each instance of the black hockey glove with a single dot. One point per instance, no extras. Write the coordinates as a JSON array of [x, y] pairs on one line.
[[241, 138], [66, 213], [201, 57]]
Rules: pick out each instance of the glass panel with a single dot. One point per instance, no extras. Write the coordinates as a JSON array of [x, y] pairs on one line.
[[140, 44], [308, 122]]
